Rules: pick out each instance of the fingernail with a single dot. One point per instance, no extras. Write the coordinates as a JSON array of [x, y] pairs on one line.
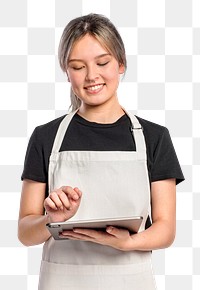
[[75, 196], [79, 191], [109, 229]]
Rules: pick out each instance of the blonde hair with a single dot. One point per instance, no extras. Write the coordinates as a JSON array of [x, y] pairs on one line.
[[99, 27]]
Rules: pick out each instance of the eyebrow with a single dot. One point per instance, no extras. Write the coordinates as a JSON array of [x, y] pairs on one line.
[[97, 57]]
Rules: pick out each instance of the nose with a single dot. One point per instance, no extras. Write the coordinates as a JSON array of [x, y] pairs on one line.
[[92, 74]]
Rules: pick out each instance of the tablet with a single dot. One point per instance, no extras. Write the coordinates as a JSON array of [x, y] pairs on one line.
[[130, 223]]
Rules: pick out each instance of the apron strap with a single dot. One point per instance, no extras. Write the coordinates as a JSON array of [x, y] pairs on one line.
[[61, 132], [138, 135], [137, 132]]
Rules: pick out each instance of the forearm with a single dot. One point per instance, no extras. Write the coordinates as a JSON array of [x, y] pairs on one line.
[[32, 230], [159, 235]]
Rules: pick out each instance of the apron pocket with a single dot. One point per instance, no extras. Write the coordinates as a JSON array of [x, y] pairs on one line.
[[96, 277]]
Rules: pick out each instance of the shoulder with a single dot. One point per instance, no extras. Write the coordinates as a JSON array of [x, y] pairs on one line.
[[52, 125], [47, 132], [153, 132], [38, 151], [162, 159], [148, 125], [43, 136]]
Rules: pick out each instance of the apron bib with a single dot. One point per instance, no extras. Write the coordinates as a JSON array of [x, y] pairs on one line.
[[114, 184]]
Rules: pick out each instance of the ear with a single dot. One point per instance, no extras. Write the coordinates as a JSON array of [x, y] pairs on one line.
[[121, 69]]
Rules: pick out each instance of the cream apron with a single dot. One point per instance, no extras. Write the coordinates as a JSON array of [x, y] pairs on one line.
[[114, 184]]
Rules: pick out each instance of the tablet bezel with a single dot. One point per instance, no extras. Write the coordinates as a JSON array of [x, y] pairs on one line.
[[130, 223]]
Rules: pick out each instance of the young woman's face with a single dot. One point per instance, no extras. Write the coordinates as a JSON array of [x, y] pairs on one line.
[[93, 72]]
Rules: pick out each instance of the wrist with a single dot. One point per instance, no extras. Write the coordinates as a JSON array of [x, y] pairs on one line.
[[47, 219]]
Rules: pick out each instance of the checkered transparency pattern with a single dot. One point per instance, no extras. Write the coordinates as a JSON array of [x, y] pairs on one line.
[[162, 84]]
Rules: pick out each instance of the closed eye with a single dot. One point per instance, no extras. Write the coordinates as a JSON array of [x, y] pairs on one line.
[[78, 68], [102, 64]]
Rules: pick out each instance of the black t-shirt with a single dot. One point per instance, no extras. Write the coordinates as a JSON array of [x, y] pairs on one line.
[[83, 135]]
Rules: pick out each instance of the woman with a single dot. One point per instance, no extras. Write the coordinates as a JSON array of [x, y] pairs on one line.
[[125, 163]]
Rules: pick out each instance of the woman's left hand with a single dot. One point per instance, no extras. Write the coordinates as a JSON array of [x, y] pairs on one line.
[[114, 237]]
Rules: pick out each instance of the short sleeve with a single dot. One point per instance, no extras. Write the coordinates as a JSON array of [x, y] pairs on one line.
[[34, 164], [165, 162]]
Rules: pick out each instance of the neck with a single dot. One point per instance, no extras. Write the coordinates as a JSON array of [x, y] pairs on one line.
[[101, 114]]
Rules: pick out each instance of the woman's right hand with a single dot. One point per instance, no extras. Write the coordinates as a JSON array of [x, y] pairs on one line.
[[62, 203]]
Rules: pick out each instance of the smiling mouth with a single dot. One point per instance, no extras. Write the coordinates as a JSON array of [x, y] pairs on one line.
[[94, 88]]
